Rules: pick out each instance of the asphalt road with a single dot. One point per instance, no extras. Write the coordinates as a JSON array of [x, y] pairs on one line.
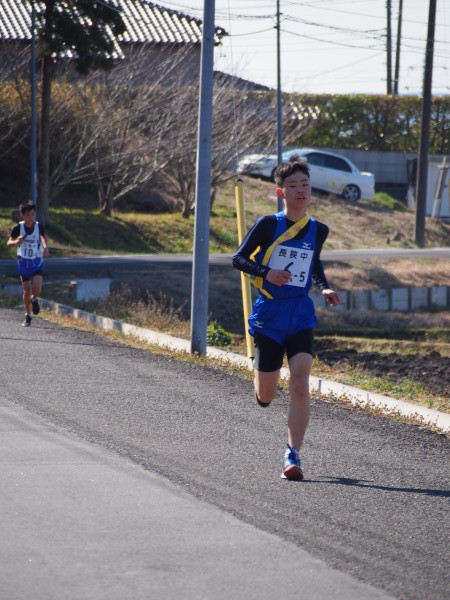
[[100, 527], [108, 265], [374, 504]]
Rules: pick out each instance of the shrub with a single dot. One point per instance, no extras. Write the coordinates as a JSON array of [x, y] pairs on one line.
[[217, 336]]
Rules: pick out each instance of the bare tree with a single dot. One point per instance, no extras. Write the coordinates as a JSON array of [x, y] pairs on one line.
[[14, 105], [84, 30], [242, 120], [136, 126], [117, 130], [111, 131]]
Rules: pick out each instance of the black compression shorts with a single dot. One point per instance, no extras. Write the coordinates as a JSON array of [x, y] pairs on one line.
[[269, 353], [23, 278]]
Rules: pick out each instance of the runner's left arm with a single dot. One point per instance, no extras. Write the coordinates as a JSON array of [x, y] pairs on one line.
[[318, 274], [44, 239]]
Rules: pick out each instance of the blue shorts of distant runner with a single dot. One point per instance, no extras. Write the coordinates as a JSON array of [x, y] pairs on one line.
[[29, 267]]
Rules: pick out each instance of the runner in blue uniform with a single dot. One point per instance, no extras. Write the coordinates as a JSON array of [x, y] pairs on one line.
[[282, 253], [31, 241]]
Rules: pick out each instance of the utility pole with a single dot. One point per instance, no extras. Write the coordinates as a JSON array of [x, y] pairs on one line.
[[397, 52], [389, 49], [422, 166], [33, 141], [279, 102], [200, 262]]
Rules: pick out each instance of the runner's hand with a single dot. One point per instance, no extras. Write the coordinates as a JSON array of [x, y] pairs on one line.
[[278, 277], [331, 297]]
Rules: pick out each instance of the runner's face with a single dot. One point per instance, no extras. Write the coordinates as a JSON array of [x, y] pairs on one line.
[[296, 192], [28, 217]]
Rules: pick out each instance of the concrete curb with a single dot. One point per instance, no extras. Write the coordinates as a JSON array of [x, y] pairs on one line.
[[355, 396]]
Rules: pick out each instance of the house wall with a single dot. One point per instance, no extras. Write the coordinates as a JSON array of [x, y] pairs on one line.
[[148, 62], [169, 64], [14, 55]]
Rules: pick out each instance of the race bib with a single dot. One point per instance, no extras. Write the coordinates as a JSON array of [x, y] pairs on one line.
[[295, 260], [29, 250]]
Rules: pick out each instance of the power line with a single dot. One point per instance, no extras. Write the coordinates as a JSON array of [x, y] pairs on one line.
[[286, 17], [411, 49], [380, 32], [361, 60], [358, 14], [330, 41], [333, 27], [234, 35], [295, 4]]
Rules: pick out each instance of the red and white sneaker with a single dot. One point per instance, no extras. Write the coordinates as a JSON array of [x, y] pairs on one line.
[[292, 469]]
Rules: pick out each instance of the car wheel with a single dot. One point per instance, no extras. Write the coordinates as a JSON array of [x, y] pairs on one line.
[[272, 175], [351, 193]]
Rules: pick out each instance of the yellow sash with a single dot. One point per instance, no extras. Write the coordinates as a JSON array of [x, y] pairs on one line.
[[284, 237]]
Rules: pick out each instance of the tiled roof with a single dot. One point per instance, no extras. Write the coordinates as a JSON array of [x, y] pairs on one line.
[[146, 22]]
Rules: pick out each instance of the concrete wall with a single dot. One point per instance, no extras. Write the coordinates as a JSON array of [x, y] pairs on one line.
[[391, 175], [388, 167], [393, 299], [434, 170]]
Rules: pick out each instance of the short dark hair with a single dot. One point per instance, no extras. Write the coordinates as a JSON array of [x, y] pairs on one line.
[[288, 168], [26, 206]]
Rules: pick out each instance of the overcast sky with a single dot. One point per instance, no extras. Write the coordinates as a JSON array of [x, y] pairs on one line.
[[328, 46]]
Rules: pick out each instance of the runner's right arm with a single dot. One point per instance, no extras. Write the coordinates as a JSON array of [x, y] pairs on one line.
[[260, 235], [15, 239]]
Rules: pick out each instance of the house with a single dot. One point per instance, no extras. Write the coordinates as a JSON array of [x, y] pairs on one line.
[[155, 36]]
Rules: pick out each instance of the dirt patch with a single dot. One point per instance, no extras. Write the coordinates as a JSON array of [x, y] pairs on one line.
[[431, 371]]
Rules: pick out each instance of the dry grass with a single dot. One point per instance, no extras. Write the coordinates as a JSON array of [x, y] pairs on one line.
[[375, 274], [386, 321], [152, 312]]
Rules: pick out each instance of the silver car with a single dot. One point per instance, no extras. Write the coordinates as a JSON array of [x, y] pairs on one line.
[[328, 172]]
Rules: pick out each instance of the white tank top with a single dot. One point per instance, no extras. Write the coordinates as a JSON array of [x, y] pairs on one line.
[[31, 247]]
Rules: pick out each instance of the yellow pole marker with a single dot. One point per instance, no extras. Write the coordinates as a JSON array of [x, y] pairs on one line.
[[245, 282]]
